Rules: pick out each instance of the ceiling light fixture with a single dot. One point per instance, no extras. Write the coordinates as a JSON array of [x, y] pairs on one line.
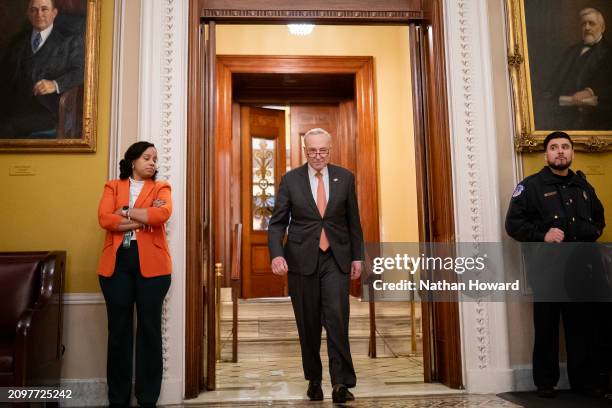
[[300, 29]]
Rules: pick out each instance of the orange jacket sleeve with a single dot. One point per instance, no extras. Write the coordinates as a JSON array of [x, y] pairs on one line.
[[106, 218], [160, 215]]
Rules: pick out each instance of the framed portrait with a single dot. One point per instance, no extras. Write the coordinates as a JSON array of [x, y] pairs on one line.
[[49, 52], [560, 61]]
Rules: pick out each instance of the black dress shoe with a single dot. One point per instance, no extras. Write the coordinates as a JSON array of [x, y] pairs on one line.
[[341, 394], [546, 392], [315, 393]]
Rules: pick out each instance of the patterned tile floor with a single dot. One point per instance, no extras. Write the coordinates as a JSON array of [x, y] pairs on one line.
[[261, 380], [427, 401], [382, 382]]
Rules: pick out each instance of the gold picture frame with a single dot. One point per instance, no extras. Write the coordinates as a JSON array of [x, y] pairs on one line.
[[528, 76], [81, 136]]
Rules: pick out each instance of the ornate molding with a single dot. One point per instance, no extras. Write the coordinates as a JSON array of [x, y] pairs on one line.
[[597, 144], [311, 15], [167, 89], [525, 142], [528, 143], [162, 113], [516, 59], [166, 109], [473, 162]]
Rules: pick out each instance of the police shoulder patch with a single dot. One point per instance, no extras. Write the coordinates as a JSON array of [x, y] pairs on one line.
[[518, 190]]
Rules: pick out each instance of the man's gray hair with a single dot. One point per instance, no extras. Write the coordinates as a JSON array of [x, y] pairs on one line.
[[597, 13], [317, 131]]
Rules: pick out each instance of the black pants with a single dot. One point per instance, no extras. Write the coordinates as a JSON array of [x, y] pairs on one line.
[[577, 329], [126, 287], [322, 300]]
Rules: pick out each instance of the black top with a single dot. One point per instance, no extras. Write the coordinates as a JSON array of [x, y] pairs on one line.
[[545, 200]]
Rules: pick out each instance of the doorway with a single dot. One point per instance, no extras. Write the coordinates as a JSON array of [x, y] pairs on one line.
[[432, 119], [262, 126]]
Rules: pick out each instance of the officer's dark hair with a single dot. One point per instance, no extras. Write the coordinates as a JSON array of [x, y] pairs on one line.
[[133, 153], [557, 135]]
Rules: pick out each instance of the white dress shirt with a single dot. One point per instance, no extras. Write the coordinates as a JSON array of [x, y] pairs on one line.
[[135, 189], [44, 34]]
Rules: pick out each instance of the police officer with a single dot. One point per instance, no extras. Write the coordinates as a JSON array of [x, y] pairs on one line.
[[552, 206]]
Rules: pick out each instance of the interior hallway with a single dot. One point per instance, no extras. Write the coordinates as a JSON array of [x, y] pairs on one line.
[[269, 366]]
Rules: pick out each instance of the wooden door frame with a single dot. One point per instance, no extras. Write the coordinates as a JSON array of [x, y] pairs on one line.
[[438, 196]]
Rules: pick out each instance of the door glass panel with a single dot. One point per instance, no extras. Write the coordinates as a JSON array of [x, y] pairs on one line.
[[263, 152]]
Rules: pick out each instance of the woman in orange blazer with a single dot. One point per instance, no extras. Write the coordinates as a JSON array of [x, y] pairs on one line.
[[135, 268]]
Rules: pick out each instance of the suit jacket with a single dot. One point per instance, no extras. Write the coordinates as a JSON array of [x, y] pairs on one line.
[[295, 208], [593, 69], [575, 72], [152, 246], [61, 59]]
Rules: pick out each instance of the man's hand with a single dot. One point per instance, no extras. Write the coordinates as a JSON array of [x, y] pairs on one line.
[[356, 269], [554, 235], [44, 87], [582, 95], [279, 266]]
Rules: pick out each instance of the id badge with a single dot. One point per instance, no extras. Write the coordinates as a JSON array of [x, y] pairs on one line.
[[127, 238]]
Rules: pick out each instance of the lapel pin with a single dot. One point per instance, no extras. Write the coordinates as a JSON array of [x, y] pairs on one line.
[[335, 179]]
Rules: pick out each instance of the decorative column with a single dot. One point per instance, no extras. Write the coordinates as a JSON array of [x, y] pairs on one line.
[[162, 121], [484, 326]]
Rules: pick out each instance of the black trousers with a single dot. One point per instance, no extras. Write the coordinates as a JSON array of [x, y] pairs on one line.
[[578, 335], [322, 300], [122, 290]]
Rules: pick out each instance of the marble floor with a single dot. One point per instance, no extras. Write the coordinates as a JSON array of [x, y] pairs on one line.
[[269, 371], [282, 380], [426, 401]]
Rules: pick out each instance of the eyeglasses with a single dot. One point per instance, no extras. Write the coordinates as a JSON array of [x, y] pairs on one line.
[[312, 153]]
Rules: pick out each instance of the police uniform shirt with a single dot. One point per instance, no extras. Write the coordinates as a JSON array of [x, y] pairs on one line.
[[546, 200]]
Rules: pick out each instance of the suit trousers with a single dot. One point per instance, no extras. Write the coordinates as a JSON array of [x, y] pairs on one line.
[[322, 300], [576, 324], [122, 290]]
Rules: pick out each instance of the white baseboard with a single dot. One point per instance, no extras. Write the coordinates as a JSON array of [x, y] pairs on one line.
[[489, 381], [85, 392], [523, 378], [93, 298], [171, 392]]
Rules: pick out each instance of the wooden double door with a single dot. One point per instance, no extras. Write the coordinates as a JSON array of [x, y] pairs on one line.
[[271, 142]]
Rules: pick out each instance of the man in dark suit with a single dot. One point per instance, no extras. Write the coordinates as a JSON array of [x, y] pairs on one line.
[[40, 65], [579, 95], [316, 206]]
